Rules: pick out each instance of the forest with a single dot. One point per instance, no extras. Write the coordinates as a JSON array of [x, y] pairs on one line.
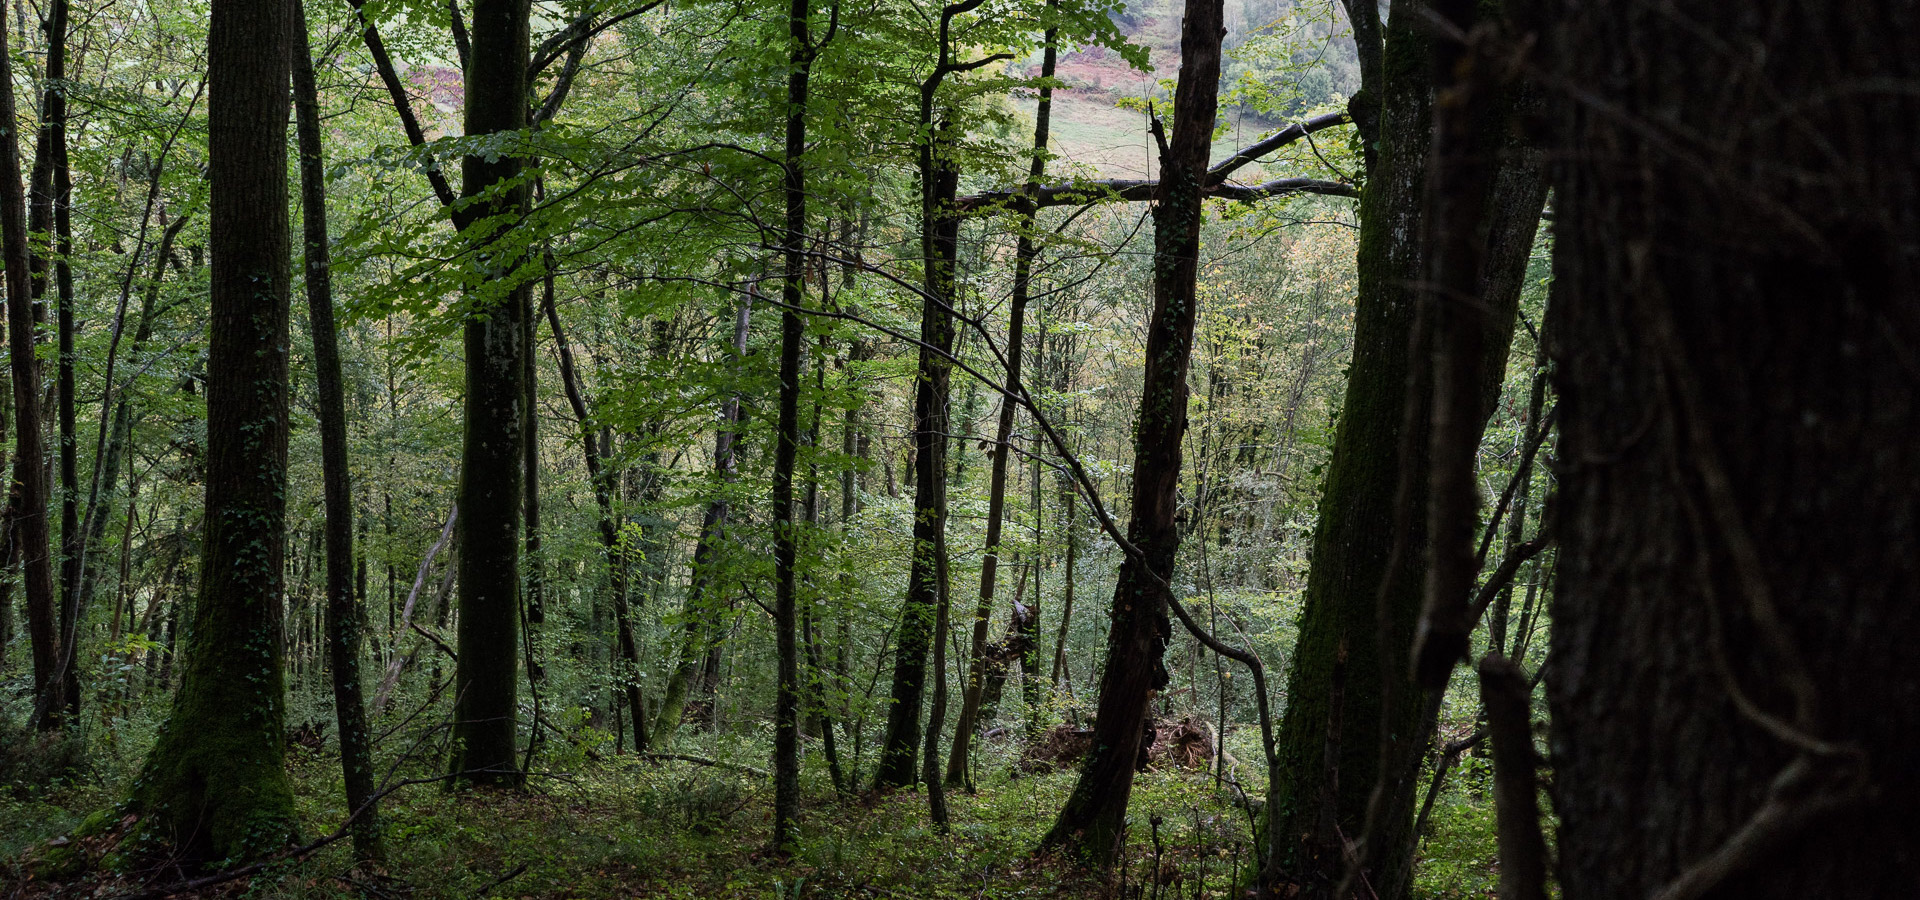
[[1135, 449]]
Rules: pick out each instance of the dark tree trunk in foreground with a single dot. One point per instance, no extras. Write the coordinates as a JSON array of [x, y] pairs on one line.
[[487, 674], [1093, 823], [899, 757], [1350, 680], [215, 786], [344, 614], [28, 500], [926, 574], [1734, 686]]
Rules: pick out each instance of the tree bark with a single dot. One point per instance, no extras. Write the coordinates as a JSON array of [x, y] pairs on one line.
[[492, 452], [215, 786], [1364, 591], [1093, 823], [344, 611], [1734, 686], [48, 218], [29, 491]]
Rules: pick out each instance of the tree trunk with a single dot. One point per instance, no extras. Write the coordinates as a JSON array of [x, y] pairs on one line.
[[29, 492], [344, 611], [1024, 253], [786, 720], [1364, 593], [53, 192], [926, 574], [1093, 823], [1734, 682], [215, 786], [492, 452]]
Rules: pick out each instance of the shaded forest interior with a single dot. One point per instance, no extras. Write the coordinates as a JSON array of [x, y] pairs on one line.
[[1139, 449]]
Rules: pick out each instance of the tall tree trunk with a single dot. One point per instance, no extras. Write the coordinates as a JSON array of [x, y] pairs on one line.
[[1356, 720], [1734, 683], [700, 613], [344, 612], [29, 493], [939, 181], [1024, 252], [1061, 674], [899, 751], [52, 176], [786, 719], [1093, 822], [492, 453], [215, 785]]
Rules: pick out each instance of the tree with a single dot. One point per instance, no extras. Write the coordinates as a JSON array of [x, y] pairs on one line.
[[344, 613], [1355, 718], [922, 612], [49, 218], [1024, 253], [215, 786], [486, 682], [1093, 822], [1734, 323], [793, 239], [27, 501]]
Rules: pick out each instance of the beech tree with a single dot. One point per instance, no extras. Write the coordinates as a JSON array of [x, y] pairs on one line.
[[215, 785], [1093, 822], [27, 501], [486, 681], [344, 610]]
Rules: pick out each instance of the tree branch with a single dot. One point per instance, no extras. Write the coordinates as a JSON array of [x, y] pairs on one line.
[[402, 101], [1132, 189]]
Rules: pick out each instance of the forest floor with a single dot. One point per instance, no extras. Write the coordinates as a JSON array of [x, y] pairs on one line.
[[615, 826]]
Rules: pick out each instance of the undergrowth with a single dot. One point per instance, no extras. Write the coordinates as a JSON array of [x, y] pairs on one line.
[[594, 824]]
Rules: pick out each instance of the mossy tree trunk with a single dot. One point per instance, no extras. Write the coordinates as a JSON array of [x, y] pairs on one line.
[[486, 680], [1355, 719], [215, 786], [1734, 684], [926, 574], [50, 220], [939, 181], [1093, 823]]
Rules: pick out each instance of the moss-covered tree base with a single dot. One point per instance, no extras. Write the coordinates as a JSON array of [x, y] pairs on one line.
[[214, 789]]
